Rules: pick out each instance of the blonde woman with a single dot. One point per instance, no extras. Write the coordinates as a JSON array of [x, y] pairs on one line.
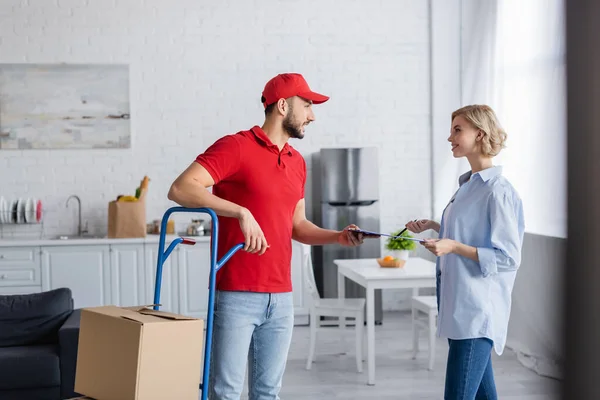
[[478, 253]]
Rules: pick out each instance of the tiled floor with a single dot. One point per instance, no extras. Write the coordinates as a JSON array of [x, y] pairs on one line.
[[334, 375]]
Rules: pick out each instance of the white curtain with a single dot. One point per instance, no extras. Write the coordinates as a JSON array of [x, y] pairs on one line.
[[477, 70], [531, 103], [512, 57]]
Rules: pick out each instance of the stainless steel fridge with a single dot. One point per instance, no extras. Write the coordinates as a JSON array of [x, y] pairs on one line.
[[346, 191]]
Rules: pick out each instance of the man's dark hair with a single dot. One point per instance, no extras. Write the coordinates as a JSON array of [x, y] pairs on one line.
[[269, 109], [271, 106]]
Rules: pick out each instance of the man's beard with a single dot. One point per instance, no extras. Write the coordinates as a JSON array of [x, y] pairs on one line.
[[291, 127]]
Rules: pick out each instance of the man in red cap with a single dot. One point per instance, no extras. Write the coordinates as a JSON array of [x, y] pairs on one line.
[[258, 184]]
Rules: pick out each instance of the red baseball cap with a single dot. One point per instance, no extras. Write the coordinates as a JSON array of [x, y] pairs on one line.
[[288, 85]]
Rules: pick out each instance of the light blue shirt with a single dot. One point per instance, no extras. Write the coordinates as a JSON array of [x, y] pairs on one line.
[[475, 297]]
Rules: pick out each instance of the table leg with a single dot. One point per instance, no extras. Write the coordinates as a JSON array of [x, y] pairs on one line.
[[341, 289], [371, 335]]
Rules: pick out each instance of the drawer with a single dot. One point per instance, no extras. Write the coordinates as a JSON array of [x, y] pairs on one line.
[[19, 256], [20, 266], [19, 290], [19, 276]]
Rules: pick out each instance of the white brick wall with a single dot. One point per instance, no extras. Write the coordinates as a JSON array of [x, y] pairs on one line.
[[197, 69]]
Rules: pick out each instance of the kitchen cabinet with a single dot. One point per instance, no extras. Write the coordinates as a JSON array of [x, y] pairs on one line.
[[194, 271], [123, 272], [20, 290], [168, 288], [20, 267], [127, 275], [83, 269], [299, 253]]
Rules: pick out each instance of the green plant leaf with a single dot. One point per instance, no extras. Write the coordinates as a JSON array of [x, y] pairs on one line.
[[399, 243]]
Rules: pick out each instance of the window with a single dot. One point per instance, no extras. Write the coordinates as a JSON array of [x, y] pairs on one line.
[[531, 105]]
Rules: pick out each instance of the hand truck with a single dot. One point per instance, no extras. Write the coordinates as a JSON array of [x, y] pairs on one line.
[[214, 267]]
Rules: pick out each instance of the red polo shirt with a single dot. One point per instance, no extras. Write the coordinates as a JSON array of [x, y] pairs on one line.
[[249, 170]]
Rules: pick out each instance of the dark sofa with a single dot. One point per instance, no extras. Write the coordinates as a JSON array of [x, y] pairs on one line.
[[39, 334]]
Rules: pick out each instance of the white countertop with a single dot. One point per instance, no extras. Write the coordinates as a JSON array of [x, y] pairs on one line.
[[88, 241]]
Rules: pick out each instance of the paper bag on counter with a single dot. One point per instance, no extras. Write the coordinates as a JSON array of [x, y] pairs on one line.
[[127, 219]]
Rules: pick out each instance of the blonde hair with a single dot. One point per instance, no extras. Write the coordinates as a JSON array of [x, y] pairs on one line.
[[482, 117]]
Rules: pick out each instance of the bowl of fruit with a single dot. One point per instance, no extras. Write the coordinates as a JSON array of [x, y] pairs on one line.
[[390, 262]]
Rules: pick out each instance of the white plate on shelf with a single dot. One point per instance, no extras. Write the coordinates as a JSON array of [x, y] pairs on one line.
[[30, 210], [12, 212], [3, 210], [20, 211]]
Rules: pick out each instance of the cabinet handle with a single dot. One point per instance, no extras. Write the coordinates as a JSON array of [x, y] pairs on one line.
[[2, 276], [1, 256]]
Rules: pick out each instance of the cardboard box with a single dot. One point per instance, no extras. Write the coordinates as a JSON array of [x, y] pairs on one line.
[[136, 353]]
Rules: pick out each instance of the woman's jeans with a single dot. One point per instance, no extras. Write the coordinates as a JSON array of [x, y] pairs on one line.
[[469, 373]]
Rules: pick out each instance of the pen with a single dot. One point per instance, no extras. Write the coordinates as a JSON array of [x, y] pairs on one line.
[[404, 230]]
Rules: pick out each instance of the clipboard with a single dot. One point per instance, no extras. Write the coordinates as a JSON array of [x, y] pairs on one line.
[[369, 234]]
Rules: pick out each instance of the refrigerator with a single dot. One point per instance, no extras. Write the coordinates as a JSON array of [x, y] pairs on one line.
[[346, 191]]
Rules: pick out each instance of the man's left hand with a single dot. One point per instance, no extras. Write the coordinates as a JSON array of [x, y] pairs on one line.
[[349, 238], [439, 247]]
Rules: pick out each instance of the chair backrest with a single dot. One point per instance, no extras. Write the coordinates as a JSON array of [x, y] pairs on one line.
[[309, 276]]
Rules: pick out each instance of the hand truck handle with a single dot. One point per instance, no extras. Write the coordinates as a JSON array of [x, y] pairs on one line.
[[163, 255], [214, 267]]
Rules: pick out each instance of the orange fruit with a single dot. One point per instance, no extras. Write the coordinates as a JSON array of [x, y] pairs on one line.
[[388, 258]]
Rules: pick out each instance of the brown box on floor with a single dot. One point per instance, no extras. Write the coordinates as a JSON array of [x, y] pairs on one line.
[[133, 353]]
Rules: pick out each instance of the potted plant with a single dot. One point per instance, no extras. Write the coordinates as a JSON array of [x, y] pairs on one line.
[[398, 247]]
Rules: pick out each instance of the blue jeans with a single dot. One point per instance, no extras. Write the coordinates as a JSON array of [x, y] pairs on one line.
[[469, 373], [252, 327]]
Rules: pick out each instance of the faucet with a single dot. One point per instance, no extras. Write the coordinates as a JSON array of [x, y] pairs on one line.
[[80, 231]]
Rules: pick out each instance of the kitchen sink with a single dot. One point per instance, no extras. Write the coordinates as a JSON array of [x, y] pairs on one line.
[[75, 237]]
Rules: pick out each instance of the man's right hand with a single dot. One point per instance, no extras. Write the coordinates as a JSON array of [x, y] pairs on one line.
[[255, 238]]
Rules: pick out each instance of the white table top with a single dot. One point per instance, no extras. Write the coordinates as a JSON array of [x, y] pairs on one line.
[[415, 267], [367, 270]]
